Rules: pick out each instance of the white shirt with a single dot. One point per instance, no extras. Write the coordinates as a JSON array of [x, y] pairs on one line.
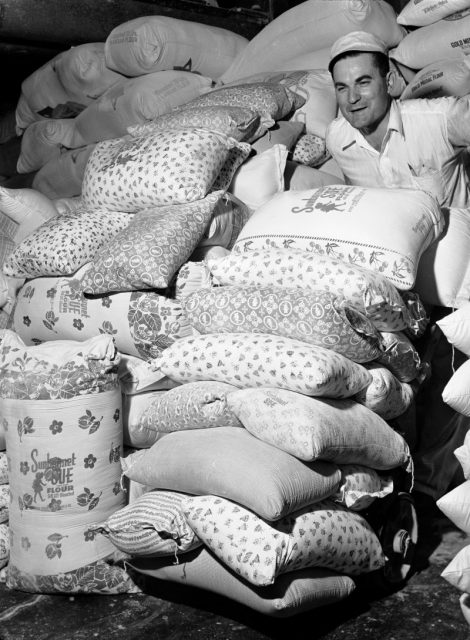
[[424, 147]]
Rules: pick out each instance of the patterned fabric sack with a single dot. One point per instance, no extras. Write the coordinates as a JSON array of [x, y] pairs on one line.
[[310, 150], [227, 221], [361, 487], [3, 468], [366, 290], [237, 122], [61, 404], [174, 166], [2, 441], [155, 244], [401, 357], [136, 376], [292, 593], [152, 525], [322, 535], [283, 132], [262, 360], [65, 243], [385, 395], [194, 405], [341, 431], [270, 100], [343, 222], [4, 502], [4, 545], [316, 318], [142, 323], [230, 462]]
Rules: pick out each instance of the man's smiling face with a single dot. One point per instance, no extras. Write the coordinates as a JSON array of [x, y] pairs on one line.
[[361, 91]]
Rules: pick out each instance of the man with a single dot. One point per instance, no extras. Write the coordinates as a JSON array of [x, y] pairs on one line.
[[379, 141]]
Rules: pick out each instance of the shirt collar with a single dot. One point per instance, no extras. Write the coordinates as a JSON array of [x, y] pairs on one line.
[[395, 123]]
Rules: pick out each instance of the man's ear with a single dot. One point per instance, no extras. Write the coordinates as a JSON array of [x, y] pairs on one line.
[[395, 83]]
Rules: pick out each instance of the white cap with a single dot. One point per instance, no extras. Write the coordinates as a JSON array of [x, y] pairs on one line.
[[361, 41]]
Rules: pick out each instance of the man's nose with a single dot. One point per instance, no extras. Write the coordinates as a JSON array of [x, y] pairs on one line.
[[353, 95]]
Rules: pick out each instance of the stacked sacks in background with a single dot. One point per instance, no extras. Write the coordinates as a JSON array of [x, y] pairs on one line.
[[51, 396], [437, 34]]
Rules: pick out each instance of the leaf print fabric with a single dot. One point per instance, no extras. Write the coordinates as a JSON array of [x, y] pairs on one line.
[[385, 395], [339, 430], [382, 229], [322, 535], [142, 323], [166, 167], [262, 360], [65, 243]]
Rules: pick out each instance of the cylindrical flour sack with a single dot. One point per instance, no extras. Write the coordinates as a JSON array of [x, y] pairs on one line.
[[61, 405]]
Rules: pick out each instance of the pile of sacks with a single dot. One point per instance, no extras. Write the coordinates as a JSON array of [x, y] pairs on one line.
[[4, 507], [252, 344]]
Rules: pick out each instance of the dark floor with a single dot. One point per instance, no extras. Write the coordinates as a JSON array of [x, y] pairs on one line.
[[427, 608]]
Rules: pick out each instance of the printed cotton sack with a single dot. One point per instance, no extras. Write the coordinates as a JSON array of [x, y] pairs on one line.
[[385, 230], [154, 43], [442, 78], [230, 462], [134, 101], [174, 167], [322, 535], [367, 291], [341, 431], [446, 38], [400, 356], [316, 318], [385, 395], [61, 404], [361, 487], [152, 525], [314, 24], [4, 502], [4, 545], [141, 322], [419, 13], [262, 360]]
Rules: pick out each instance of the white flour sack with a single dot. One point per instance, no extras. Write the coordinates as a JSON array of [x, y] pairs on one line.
[[313, 25], [385, 230], [62, 175], [442, 78], [134, 101], [44, 140], [61, 405], [419, 13], [159, 43], [83, 73], [447, 38]]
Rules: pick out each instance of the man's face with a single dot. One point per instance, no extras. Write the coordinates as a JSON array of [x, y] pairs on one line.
[[361, 91]]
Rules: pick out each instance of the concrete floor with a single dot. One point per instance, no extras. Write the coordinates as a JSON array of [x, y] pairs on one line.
[[427, 608]]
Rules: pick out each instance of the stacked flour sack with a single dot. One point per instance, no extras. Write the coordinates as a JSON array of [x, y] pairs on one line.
[[4, 502], [432, 57], [280, 424]]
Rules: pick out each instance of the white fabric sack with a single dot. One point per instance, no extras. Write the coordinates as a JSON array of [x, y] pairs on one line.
[[318, 22], [442, 78], [443, 276], [456, 393], [44, 140], [27, 208], [62, 176], [462, 454], [134, 101], [447, 38], [386, 230], [159, 43], [419, 13], [456, 328], [456, 506], [457, 572]]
